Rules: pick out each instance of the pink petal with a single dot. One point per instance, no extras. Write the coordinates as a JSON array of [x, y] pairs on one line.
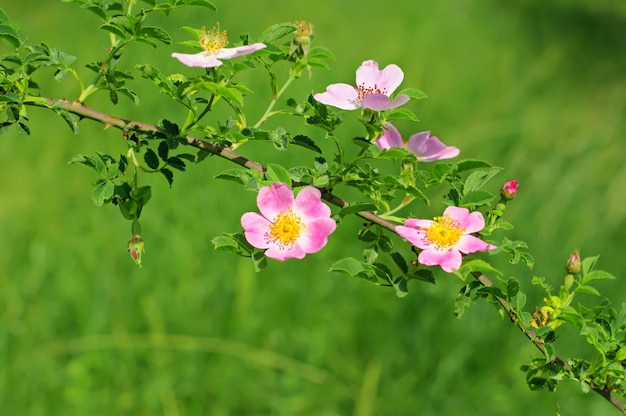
[[472, 222], [429, 148], [470, 244], [342, 96], [413, 236], [274, 199], [256, 228], [285, 253], [202, 59], [308, 205], [387, 80], [417, 223], [381, 102], [390, 138], [229, 53], [315, 235], [449, 260]]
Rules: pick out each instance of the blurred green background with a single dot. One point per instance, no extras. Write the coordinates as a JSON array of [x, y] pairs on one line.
[[539, 90]]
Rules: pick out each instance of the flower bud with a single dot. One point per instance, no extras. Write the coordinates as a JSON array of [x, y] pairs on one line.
[[573, 264], [509, 189], [136, 249]]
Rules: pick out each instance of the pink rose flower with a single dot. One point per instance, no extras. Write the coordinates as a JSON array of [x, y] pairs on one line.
[[288, 227], [213, 42], [373, 88], [427, 148], [443, 239]]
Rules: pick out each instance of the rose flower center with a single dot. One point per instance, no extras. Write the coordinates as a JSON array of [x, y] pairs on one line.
[[213, 40], [444, 232], [286, 228]]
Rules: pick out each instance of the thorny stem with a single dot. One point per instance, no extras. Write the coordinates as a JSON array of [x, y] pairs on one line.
[[226, 153], [539, 343]]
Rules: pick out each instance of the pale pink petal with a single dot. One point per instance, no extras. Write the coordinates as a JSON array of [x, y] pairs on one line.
[[342, 96], [414, 236], [315, 235], [285, 253], [381, 102], [429, 148], [256, 229], [390, 138], [449, 260], [274, 199], [391, 78], [369, 76], [229, 53], [473, 223], [417, 223], [308, 205], [202, 59], [458, 214], [470, 244]]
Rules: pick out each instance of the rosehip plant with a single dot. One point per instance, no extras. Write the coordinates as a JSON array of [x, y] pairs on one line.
[[301, 206]]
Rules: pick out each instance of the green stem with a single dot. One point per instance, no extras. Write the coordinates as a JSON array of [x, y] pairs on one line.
[[91, 88], [268, 112]]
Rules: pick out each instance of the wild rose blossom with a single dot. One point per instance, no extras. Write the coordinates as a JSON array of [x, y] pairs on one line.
[[213, 42], [427, 148], [373, 88], [443, 239], [288, 227]]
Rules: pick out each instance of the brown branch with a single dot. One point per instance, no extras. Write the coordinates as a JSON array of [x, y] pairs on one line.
[[108, 120], [539, 343]]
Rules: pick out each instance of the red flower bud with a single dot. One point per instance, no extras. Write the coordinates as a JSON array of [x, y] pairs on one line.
[[509, 189]]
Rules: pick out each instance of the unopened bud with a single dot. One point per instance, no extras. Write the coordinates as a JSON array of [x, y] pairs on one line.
[[136, 249], [573, 264], [568, 281], [509, 189]]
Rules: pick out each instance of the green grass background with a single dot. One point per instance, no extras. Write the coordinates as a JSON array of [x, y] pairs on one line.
[[539, 90]]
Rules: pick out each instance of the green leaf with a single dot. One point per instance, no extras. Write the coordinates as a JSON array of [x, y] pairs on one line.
[[512, 287], [399, 260], [587, 289], [402, 113], [597, 275], [355, 207], [202, 3], [588, 263], [83, 160], [395, 153], [424, 275], [354, 268], [477, 179], [103, 191], [70, 119], [233, 243], [10, 35], [237, 175], [476, 199], [479, 266], [177, 163], [277, 173], [469, 164], [4, 18], [169, 175], [413, 93], [306, 142], [151, 159], [277, 31], [153, 32]]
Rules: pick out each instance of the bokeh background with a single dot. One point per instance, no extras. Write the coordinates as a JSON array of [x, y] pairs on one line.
[[536, 87]]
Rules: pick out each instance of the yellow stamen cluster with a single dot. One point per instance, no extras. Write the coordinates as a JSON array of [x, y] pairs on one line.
[[444, 232], [305, 29], [213, 40], [364, 91], [286, 229]]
